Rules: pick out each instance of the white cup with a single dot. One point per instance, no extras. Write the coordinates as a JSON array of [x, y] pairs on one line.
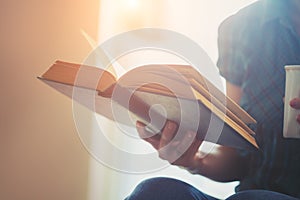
[[291, 128]]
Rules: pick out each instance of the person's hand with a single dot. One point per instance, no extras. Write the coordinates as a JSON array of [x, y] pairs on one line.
[[182, 151], [295, 103], [223, 164]]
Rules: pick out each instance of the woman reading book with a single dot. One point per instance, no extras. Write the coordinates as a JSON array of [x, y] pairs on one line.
[[254, 46]]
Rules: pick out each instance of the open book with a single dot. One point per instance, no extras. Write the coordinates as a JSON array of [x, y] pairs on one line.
[[182, 93]]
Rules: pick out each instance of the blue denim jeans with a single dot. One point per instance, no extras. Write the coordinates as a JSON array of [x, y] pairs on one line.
[[172, 189]]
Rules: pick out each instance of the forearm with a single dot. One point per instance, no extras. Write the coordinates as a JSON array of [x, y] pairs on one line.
[[223, 165]]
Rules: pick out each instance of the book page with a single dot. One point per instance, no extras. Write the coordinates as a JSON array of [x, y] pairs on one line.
[[79, 75]]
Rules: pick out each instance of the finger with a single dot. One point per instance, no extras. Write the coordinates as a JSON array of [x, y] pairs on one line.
[[154, 140], [186, 142], [166, 146], [181, 152], [168, 133], [195, 146], [295, 103]]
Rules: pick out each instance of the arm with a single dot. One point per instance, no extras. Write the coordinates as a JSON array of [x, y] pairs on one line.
[[224, 164]]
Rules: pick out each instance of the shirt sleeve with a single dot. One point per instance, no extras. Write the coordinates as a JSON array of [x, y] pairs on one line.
[[231, 60]]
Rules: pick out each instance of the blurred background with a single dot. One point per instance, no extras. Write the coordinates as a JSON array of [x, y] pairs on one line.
[[40, 151]]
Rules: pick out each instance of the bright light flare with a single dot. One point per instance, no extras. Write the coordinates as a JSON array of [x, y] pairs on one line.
[[133, 3]]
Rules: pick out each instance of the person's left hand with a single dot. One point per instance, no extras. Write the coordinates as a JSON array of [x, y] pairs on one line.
[[295, 103]]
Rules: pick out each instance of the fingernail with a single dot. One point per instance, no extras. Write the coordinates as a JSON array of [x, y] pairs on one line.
[[293, 103], [139, 124]]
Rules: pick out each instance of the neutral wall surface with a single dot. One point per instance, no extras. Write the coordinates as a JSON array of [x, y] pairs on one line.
[[41, 156]]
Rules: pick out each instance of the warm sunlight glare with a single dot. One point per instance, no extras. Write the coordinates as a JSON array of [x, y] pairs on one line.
[[132, 3]]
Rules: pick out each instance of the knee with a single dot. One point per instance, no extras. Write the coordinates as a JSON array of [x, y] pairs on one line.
[[163, 188], [159, 183]]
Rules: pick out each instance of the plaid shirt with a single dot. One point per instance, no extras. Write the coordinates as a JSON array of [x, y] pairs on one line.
[[254, 46]]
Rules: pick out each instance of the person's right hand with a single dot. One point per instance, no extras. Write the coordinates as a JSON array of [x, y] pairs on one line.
[[182, 151]]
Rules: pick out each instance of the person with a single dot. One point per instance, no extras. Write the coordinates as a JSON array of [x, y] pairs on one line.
[[254, 46]]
